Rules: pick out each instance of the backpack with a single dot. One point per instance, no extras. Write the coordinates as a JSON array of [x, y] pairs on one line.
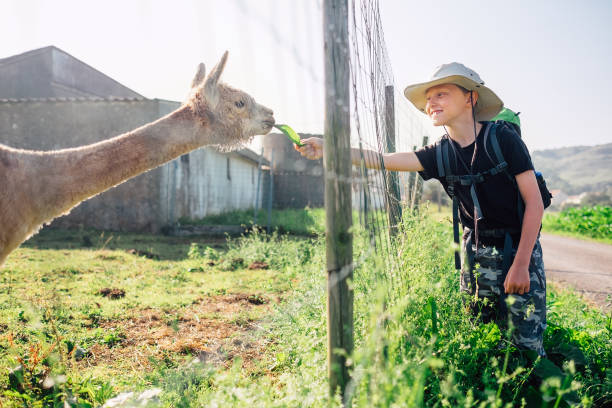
[[505, 119]]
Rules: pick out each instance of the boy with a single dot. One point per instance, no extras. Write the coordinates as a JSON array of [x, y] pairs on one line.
[[514, 289]]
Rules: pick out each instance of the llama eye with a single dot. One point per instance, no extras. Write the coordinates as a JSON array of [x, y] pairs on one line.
[[239, 104]]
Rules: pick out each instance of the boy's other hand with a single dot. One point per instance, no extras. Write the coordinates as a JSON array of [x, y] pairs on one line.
[[517, 279], [312, 148]]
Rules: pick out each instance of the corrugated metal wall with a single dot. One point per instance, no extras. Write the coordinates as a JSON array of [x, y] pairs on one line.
[[207, 182]]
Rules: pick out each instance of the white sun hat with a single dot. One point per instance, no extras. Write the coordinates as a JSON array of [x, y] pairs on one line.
[[488, 104]]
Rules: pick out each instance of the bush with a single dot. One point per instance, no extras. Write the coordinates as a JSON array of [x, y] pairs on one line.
[[594, 222]]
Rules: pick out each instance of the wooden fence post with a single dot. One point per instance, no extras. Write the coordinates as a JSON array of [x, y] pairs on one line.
[[338, 207], [270, 193], [410, 184], [418, 184], [394, 208], [257, 199]]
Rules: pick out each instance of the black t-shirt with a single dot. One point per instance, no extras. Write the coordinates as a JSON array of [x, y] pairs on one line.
[[497, 194]]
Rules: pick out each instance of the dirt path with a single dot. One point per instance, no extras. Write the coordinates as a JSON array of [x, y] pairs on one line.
[[584, 265]]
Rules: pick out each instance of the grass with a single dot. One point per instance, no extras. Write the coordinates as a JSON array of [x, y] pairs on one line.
[[171, 302], [295, 221], [415, 345]]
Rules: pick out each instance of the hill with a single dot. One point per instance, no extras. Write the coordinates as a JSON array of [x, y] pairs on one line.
[[576, 169]]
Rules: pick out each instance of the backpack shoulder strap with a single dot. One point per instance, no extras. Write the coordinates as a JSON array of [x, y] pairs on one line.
[[503, 165], [441, 172], [495, 143], [445, 157], [443, 161], [444, 170]]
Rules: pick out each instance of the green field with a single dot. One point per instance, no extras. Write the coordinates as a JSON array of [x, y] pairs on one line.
[[87, 315]]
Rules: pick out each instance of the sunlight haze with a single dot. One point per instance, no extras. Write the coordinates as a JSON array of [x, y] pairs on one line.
[[549, 60]]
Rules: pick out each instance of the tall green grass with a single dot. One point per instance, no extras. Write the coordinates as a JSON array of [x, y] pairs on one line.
[[593, 222], [416, 345]]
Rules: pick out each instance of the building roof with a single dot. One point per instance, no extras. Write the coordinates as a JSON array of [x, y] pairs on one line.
[[50, 72], [250, 155], [75, 99]]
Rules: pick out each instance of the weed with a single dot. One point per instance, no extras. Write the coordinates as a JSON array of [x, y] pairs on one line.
[[196, 252], [113, 337], [39, 371]]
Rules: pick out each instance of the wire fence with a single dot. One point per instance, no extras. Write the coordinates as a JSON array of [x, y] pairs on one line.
[[381, 122]]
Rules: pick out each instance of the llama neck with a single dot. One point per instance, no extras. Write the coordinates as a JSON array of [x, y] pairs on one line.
[[73, 175]]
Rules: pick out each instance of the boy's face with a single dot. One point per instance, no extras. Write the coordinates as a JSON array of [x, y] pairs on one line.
[[446, 102]]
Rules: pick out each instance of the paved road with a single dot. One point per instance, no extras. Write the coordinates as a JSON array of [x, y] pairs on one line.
[[585, 265]]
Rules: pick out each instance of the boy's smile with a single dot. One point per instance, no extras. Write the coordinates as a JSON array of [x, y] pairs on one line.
[[444, 103]]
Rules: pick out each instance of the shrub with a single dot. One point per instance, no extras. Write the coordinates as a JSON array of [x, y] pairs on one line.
[[594, 222]]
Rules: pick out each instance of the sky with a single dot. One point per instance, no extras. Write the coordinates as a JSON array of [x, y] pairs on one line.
[[550, 60]]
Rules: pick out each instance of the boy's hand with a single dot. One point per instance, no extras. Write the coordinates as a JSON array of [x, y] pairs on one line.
[[312, 148], [517, 279]]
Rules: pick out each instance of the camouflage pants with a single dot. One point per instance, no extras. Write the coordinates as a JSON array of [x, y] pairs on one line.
[[526, 313]]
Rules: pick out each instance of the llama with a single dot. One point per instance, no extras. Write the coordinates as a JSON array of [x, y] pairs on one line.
[[40, 186]]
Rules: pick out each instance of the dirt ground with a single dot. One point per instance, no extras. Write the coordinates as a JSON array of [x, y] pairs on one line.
[[216, 329], [583, 265]]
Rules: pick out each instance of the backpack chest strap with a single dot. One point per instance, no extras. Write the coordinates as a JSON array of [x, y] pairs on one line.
[[469, 179], [465, 180]]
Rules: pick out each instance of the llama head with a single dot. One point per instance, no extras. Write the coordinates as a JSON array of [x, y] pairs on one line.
[[231, 115]]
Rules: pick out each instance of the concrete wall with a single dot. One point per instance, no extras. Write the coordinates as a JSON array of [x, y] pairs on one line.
[[59, 124], [298, 182]]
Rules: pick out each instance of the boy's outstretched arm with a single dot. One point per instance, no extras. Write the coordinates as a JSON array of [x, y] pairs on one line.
[[406, 161], [517, 280]]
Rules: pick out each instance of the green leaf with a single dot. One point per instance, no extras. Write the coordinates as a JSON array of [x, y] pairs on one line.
[[291, 134], [571, 352], [547, 368], [533, 397]]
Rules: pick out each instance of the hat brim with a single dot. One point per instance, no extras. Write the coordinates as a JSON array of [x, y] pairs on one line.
[[488, 104]]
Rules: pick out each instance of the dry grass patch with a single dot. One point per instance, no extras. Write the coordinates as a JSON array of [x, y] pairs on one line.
[[215, 329]]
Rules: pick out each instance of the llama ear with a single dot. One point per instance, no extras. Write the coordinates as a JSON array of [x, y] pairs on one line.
[[199, 76], [215, 74], [210, 85]]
